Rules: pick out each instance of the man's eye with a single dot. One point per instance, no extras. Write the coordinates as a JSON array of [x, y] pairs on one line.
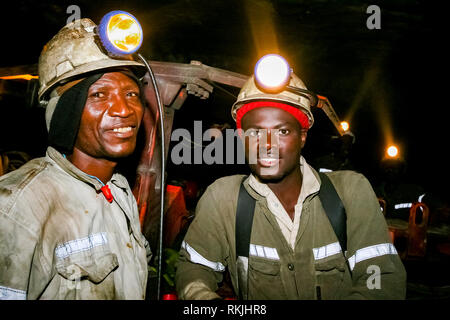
[[282, 132], [133, 94], [254, 133], [98, 95]]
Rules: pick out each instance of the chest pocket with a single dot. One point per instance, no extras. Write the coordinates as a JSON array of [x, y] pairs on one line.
[[265, 280], [88, 277], [85, 266], [93, 270], [329, 278]]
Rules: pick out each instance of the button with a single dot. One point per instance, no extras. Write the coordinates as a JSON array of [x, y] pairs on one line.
[[129, 245], [290, 266]]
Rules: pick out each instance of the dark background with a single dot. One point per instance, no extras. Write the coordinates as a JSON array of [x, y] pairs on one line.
[[387, 82]]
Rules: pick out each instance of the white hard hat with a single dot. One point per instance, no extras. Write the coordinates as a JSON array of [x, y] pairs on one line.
[[74, 51], [250, 92]]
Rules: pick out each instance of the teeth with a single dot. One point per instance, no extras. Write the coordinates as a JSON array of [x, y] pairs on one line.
[[268, 161], [124, 129]]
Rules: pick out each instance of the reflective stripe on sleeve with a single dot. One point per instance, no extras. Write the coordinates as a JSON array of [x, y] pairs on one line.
[[403, 205], [12, 294], [371, 252], [421, 197], [327, 251], [198, 258]]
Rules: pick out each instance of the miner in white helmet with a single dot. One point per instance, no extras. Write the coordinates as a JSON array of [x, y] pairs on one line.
[[69, 226], [286, 231]]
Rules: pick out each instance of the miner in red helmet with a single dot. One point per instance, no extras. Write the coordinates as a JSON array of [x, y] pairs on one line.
[[273, 229]]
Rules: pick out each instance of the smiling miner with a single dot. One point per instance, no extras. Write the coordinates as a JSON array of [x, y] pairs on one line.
[[69, 225]]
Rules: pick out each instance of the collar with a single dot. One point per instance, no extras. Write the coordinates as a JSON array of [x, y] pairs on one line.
[[310, 183], [69, 168]]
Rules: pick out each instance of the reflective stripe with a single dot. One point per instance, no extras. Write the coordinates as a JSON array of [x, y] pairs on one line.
[[327, 251], [371, 252], [403, 205], [421, 197], [242, 273], [198, 258], [12, 294], [79, 245], [420, 200], [325, 170], [264, 252]]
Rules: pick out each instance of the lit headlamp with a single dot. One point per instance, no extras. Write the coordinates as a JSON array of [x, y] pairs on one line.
[[120, 33], [272, 73]]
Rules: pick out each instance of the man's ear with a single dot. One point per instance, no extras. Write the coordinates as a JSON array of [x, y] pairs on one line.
[[303, 135]]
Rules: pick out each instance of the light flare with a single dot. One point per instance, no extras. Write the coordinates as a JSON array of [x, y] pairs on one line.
[[345, 126], [272, 72], [392, 151]]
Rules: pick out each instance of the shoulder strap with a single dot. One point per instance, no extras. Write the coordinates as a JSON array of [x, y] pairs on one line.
[[244, 221], [334, 209]]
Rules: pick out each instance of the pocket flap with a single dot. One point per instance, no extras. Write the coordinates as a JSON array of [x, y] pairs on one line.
[[328, 265], [265, 266], [94, 270]]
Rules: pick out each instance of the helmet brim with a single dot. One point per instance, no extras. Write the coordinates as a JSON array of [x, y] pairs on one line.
[[137, 68]]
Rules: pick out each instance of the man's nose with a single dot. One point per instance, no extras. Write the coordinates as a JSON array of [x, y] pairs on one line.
[[266, 142], [119, 106]]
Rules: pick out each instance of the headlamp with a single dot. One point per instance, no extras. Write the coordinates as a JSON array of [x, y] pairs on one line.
[[272, 72], [120, 33]]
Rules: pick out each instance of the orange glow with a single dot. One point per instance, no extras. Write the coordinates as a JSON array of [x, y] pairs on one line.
[[392, 151], [260, 16], [345, 126], [20, 76]]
